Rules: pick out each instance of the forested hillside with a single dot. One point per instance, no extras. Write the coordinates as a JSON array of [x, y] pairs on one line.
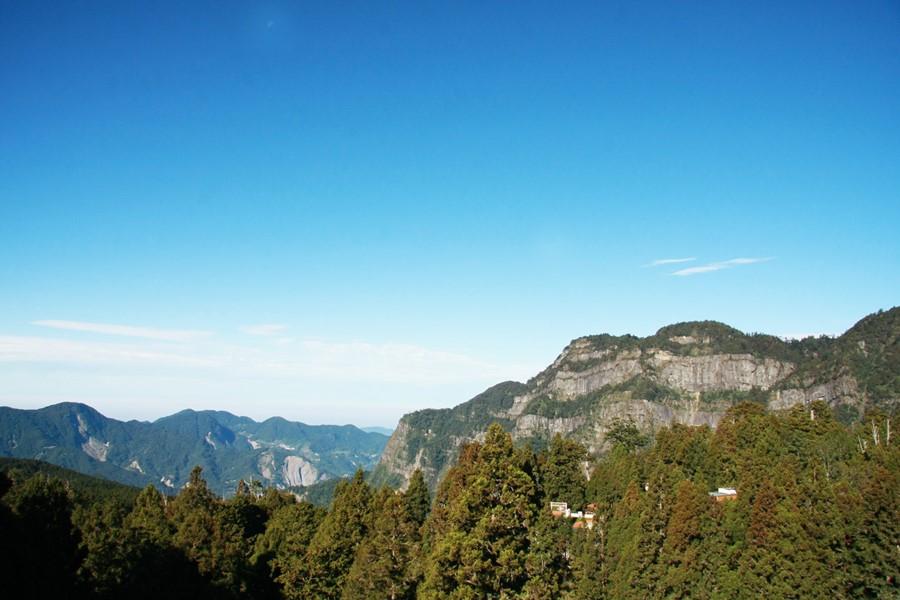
[[814, 513], [279, 452], [688, 373]]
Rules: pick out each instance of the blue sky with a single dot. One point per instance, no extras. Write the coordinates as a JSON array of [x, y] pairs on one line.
[[341, 212]]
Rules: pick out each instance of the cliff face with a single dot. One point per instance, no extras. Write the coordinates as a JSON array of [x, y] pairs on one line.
[[688, 373]]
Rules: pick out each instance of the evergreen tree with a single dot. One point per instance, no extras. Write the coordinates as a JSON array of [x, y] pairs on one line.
[[683, 574], [209, 536], [48, 554], [548, 563], [282, 547], [483, 548], [382, 565], [417, 498], [332, 549], [562, 473], [149, 516]]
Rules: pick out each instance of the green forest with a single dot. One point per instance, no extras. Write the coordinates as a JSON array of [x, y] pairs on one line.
[[816, 514]]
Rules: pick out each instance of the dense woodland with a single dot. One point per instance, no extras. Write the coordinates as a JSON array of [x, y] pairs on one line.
[[817, 516]]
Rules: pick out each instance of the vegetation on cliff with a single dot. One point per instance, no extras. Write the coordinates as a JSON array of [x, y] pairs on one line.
[[687, 372]]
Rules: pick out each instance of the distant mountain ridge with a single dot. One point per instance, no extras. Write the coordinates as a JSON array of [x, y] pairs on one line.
[[686, 373], [228, 447]]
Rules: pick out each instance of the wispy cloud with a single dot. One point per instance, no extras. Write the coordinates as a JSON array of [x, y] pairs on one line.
[[267, 329], [669, 261], [285, 360], [32, 349], [720, 265], [150, 333]]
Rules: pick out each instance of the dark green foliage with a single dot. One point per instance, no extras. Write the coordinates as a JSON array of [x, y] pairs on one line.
[[282, 547], [321, 493], [382, 568], [816, 516], [417, 498], [47, 556], [626, 435], [561, 472], [481, 546], [331, 551], [869, 351], [85, 488], [209, 535]]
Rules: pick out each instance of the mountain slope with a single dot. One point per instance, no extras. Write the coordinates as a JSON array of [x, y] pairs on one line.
[[687, 373], [228, 447]]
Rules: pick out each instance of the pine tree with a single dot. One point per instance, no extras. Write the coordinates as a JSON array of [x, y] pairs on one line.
[[482, 549], [149, 516], [332, 549], [48, 555], [286, 538], [209, 537], [382, 565], [417, 498], [562, 473], [680, 562], [548, 563]]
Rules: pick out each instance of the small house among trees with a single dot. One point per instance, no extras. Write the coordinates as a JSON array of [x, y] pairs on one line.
[[724, 494], [582, 518]]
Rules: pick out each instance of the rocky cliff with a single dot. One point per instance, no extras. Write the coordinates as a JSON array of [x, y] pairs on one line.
[[686, 373]]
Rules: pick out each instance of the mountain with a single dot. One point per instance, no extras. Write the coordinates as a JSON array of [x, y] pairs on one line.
[[228, 447], [687, 373], [382, 430]]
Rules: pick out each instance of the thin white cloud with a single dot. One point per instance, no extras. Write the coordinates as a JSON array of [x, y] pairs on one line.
[[169, 335], [56, 351], [669, 261], [284, 360], [720, 265], [364, 361], [267, 329]]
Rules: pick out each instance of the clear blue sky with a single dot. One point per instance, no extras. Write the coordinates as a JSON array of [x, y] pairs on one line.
[[416, 200]]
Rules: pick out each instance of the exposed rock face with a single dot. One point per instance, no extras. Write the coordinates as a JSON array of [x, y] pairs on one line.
[[843, 390], [741, 372], [297, 471], [96, 449], [266, 465], [689, 373], [611, 370]]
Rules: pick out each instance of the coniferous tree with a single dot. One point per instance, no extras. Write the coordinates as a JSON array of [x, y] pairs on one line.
[[209, 537], [48, 555], [417, 498], [682, 572], [332, 549], [148, 515], [562, 473], [382, 566], [483, 548], [548, 563], [282, 547]]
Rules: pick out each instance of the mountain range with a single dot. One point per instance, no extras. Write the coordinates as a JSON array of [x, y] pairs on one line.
[[688, 373], [228, 447]]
